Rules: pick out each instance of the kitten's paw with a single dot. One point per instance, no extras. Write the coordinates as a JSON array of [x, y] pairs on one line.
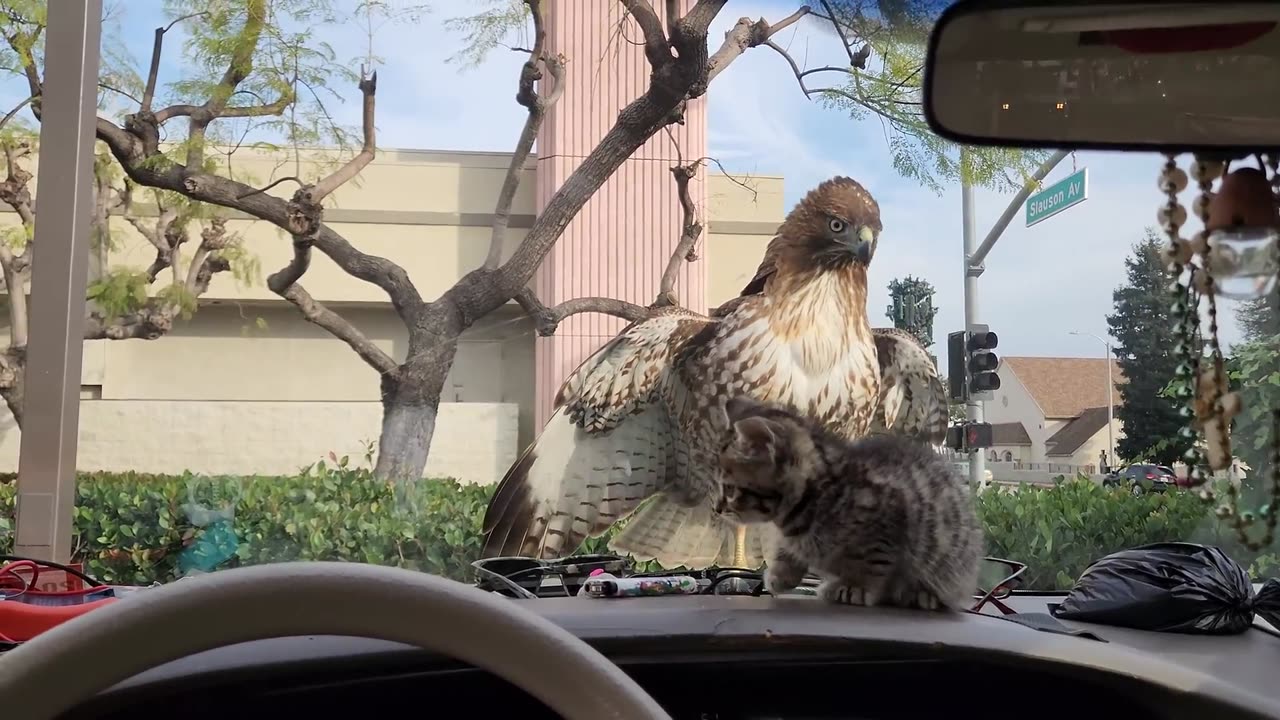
[[778, 582], [842, 594], [926, 600], [917, 598]]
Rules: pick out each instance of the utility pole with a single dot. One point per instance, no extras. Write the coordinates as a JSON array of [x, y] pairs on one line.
[[974, 255], [1111, 405], [973, 406]]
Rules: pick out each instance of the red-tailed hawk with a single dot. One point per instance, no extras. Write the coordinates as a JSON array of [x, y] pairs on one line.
[[635, 421]]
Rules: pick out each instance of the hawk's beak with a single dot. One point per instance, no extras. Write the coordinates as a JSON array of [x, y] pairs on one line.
[[863, 245]]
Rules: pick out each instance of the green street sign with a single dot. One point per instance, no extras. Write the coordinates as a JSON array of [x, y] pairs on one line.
[[1067, 192]]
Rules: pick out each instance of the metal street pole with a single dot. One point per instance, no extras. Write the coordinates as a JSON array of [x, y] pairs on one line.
[[1111, 405], [59, 271], [973, 406], [974, 255]]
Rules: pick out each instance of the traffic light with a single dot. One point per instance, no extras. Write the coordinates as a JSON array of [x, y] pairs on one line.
[[977, 435], [971, 366], [957, 375], [982, 363], [969, 436]]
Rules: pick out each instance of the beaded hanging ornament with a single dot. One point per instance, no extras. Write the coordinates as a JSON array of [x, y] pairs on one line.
[[1236, 249]]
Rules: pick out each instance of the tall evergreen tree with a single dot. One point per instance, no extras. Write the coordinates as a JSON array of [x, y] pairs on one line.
[[1142, 326]]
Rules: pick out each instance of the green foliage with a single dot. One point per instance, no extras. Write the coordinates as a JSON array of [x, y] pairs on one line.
[[911, 307], [16, 237], [1255, 373], [1059, 531], [1142, 325], [890, 90], [487, 30], [137, 528], [119, 292]]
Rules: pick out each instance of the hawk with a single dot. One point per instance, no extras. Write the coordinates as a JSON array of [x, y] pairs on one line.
[[634, 436]]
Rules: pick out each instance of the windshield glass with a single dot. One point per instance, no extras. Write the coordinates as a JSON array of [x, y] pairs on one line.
[[342, 257]]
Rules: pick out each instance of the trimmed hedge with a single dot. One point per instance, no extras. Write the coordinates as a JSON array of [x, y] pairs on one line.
[[134, 528]]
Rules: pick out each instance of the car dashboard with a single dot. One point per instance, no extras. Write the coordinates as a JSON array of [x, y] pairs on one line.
[[719, 657]]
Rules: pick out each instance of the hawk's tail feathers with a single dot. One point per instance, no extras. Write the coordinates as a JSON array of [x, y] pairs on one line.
[[690, 537], [570, 485], [939, 414]]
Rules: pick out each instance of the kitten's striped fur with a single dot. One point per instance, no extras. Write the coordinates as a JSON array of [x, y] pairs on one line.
[[884, 520]]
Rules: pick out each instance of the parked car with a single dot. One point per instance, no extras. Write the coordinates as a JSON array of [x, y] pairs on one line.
[[1144, 478], [962, 467]]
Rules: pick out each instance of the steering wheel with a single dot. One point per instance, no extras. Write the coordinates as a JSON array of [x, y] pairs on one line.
[[71, 663]]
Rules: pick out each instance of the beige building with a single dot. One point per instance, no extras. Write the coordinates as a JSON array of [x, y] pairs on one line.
[[1050, 416], [247, 386]]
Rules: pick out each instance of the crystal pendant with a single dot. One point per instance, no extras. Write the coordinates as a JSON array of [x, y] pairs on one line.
[[1244, 261]]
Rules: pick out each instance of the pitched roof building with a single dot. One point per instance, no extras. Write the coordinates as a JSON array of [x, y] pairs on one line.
[[1053, 411]]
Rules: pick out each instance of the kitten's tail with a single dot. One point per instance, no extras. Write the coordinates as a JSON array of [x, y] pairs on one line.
[[690, 537]]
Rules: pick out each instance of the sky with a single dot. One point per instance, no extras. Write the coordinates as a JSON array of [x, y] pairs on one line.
[[1040, 283]]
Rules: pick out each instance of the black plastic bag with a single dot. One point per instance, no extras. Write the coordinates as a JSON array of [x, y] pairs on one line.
[[1170, 587]]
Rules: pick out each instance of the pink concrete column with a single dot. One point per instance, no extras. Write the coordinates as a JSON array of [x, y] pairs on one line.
[[619, 244]]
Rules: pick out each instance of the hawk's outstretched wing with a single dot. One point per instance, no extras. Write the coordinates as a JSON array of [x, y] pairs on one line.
[[611, 444], [913, 400]]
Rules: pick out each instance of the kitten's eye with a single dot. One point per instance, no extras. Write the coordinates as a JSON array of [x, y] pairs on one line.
[[837, 225]]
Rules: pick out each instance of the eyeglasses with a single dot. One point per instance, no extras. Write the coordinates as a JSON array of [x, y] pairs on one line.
[[1001, 576]]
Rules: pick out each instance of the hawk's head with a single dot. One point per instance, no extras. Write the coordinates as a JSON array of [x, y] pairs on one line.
[[837, 223]]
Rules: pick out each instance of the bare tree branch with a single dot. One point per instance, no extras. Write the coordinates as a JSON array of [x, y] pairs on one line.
[[322, 189], [656, 48], [9, 115], [746, 34], [238, 68], [285, 284], [844, 39], [537, 105], [810, 92], [690, 233], [153, 73], [547, 320]]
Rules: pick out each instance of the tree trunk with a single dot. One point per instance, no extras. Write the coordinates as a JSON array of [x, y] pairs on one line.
[[13, 369], [410, 402]]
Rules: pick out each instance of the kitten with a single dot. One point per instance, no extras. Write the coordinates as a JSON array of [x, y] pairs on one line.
[[883, 520]]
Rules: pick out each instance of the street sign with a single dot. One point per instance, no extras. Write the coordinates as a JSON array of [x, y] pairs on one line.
[[1067, 192]]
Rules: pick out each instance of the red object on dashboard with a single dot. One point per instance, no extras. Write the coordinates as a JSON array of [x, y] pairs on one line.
[[29, 606], [1203, 38]]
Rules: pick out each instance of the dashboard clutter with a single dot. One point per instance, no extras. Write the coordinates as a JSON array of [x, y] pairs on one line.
[[36, 596], [1170, 587], [605, 585]]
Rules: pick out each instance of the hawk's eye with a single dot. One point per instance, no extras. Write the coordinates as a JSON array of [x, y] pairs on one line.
[[837, 225]]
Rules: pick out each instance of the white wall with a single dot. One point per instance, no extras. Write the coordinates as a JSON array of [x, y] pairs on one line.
[[1012, 403], [1089, 453], [1021, 453], [473, 442]]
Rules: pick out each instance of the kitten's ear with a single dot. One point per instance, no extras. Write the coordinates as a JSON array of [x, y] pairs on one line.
[[756, 438], [741, 407]]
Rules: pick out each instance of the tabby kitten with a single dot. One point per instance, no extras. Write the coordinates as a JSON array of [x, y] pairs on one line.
[[884, 520]]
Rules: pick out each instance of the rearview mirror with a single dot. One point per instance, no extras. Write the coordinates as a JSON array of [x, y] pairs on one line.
[[1183, 76]]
